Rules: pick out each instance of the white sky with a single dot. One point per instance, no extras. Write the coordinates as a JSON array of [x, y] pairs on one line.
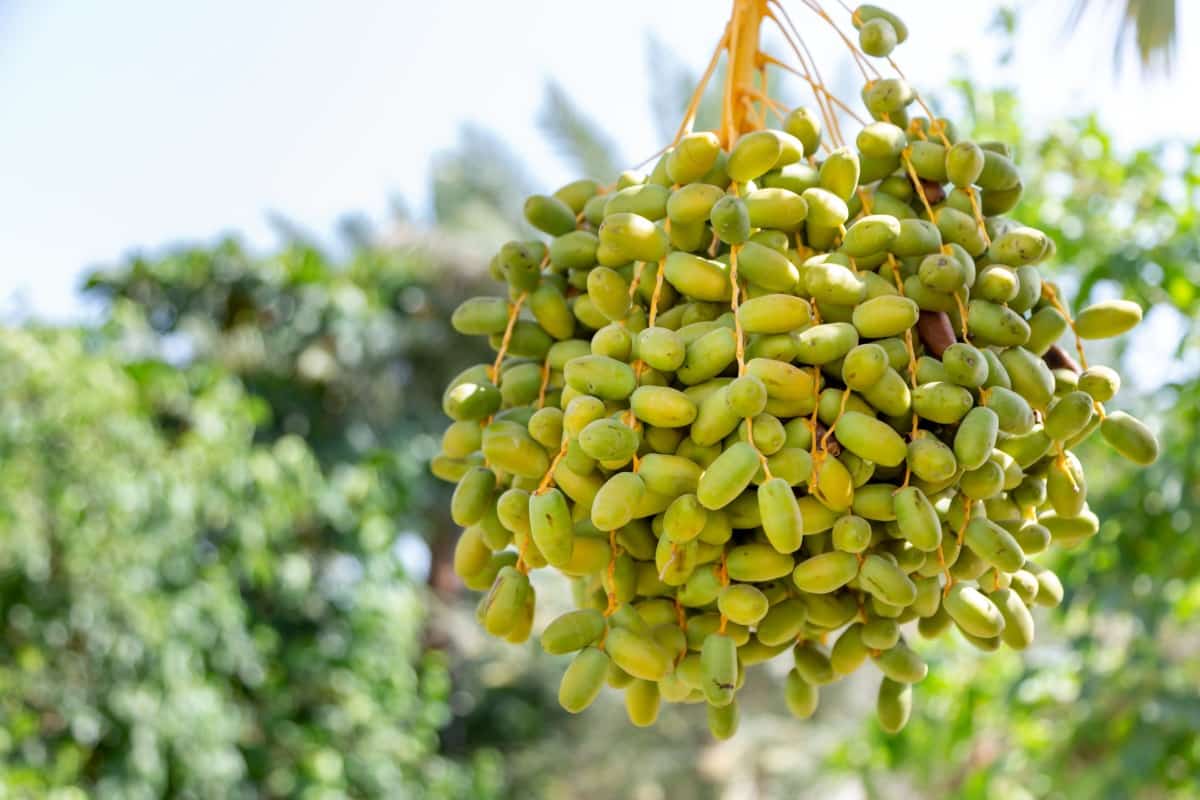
[[131, 123]]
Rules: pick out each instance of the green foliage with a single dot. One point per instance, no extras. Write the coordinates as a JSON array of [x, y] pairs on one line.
[[180, 619], [346, 353]]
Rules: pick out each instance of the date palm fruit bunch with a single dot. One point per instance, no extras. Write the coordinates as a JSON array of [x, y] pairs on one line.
[[779, 396]]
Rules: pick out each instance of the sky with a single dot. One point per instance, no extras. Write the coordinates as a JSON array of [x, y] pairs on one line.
[[132, 124]]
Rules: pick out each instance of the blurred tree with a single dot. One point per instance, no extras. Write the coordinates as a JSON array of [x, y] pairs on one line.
[[478, 187], [348, 353], [180, 620], [578, 140]]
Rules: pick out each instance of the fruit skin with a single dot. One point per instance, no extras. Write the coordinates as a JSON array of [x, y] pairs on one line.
[[642, 700], [878, 38], [964, 163], [503, 606], [774, 313], [965, 365], [684, 520], [777, 208], [730, 220], [894, 705], [941, 402], [826, 342], [930, 459], [1107, 319], [766, 268], [813, 664], [601, 376], [693, 156], [902, 665], [888, 315], [617, 501], [480, 316], [756, 563], [753, 155], [800, 696], [727, 476], [976, 437], [782, 521], [1100, 382], [871, 234], [871, 439], [864, 366], [1031, 377], [1018, 622], [973, 611], [996, 325], [608, 439], [1013, 414], [723, 720], [805, 125], [1130, 437], [783, 622], [549, 214], [633, 237], [662, 407], [471, 496], [693, 203], [999, 173], [1070, 414], [851, 534], [1045, 328], [609, 292], [573, 631], [826, 572], [718, 658], [887, 582], [638, 655], [994, 544], [746, 396], [698, 277], [1066, 486], [865, 13], [917, 519], [743, 604], [550, 526], [583, 679]]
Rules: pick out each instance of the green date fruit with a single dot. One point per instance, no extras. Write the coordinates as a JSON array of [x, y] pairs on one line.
[[766, 400]]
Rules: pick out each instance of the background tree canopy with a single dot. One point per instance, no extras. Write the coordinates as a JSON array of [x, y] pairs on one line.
[[218, 512]]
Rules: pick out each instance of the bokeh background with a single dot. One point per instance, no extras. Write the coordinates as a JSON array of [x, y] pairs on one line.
[[233, 234]]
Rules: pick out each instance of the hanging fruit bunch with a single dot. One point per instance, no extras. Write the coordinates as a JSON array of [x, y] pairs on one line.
[[780, 394]]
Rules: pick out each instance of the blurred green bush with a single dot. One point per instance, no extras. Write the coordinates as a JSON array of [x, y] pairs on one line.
[[202, 588]]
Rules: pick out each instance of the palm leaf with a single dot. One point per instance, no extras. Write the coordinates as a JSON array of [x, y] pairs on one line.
[[671, 88], [1154, 24], [478, 183], [578, 139]]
